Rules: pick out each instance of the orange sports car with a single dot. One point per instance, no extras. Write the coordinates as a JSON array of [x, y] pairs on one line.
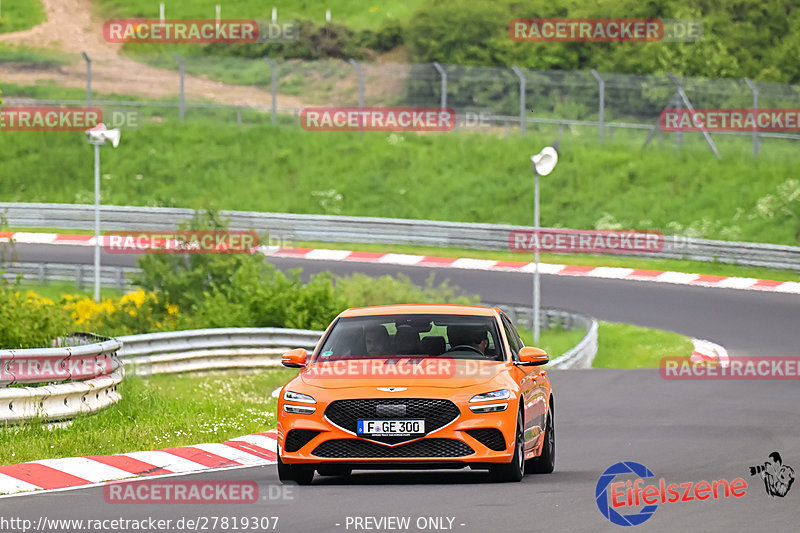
[[417, 386]]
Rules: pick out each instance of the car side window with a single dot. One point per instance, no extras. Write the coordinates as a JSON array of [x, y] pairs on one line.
[[514, 341]]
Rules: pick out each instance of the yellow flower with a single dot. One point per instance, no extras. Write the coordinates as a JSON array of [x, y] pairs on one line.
[[172, 309], [137, 297]]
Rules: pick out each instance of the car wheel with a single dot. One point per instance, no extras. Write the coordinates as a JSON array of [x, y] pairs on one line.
[[299, 474], [515, 470], [334, 470], [546, 462]]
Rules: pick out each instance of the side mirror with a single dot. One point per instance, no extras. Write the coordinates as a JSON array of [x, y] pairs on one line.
[[294, 358], [529, 356]]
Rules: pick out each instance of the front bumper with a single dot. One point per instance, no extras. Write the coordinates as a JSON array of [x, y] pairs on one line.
[[466, 439]]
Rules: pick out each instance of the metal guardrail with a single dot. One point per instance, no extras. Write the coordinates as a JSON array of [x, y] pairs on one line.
[[96, 364], [81, 275], [181, 351], [211, 349], [283, 228]]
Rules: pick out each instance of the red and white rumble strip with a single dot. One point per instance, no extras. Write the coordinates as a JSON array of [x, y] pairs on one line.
[[48, 474], [636, 274]]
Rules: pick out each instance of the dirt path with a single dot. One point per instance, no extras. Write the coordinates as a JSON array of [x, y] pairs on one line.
[[72, 27]]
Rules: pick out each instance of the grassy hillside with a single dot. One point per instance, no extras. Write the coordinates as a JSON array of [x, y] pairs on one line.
[[455, 176], [19, 15]]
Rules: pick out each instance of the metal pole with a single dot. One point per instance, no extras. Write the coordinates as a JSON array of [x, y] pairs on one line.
[[96, 222], [274, 79], [522, 110], [601, 112], [756, 139], [443, 74], [182, 73], [685, 99], [536, 283], [88, 79], [360, 73]]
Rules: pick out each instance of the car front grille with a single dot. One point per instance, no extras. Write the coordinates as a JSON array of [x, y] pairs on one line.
[[358, 448], [297, 438], [437, 413], [492, 438]]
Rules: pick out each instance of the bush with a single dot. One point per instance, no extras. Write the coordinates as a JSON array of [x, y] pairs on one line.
[[29, 321]]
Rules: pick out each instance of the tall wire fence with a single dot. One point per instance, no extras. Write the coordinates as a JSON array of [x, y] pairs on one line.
[[514, 99]]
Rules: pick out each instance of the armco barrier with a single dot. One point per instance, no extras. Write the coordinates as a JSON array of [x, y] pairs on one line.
[[283, 228], [209, 349], [190, 351], [96, 363]]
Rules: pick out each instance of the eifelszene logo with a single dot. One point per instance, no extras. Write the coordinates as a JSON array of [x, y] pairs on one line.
[[616, 497], [778, 477]]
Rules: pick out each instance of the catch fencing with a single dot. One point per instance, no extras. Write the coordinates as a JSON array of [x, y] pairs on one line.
[[547, 101]]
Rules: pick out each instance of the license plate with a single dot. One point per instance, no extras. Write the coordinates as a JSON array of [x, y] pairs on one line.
[[391, 427]]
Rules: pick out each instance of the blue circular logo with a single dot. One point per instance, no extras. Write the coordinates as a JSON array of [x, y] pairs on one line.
[[601, 493]]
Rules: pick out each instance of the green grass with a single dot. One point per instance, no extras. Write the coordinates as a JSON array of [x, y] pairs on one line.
[[555, 341], [20, 15], [158, 412], [455, 176], [627, 346], [354, 14], [44, 58]]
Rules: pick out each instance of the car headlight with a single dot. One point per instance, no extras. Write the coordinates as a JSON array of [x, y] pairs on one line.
[[290, 396], [503, 394], [299, 409], [489, 407]]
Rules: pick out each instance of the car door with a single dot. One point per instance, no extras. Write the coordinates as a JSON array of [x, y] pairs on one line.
[[534, 393]]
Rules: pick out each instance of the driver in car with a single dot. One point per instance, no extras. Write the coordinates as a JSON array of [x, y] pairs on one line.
[[476, 338], [376, 340]]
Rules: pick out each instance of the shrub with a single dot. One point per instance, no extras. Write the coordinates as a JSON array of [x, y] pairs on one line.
[[29, 321]]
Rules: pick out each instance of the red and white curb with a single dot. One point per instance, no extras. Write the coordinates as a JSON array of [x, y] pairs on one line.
[[679, 278], [636, 274], [706, 351], [50, 474]]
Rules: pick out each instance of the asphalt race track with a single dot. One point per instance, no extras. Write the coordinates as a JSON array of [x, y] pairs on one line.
[[684, 431]]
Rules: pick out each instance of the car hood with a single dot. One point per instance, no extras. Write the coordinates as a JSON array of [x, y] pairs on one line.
[[442, 372]]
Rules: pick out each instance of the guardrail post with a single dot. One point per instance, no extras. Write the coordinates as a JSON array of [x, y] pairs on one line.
[[443, 74], [273, 76], [601, 103], [756, 139], [522, 111], [88, 79], [79, 276], [182, 74]]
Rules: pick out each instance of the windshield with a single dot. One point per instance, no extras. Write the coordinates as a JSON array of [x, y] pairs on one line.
[[417, 335]]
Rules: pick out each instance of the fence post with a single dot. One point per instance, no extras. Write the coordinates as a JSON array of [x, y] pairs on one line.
[[274, 89], [522, 111], [756, 139], [685, 100], [88, 79], [182, 73], [360, 73], [443, 74], [601, 111]]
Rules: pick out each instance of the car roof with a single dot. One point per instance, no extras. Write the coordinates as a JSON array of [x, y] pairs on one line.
[[428, 309]]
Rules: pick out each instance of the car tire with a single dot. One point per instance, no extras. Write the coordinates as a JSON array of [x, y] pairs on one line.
[[334, 470], [298, 474], [514, 470], [546, 462]]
